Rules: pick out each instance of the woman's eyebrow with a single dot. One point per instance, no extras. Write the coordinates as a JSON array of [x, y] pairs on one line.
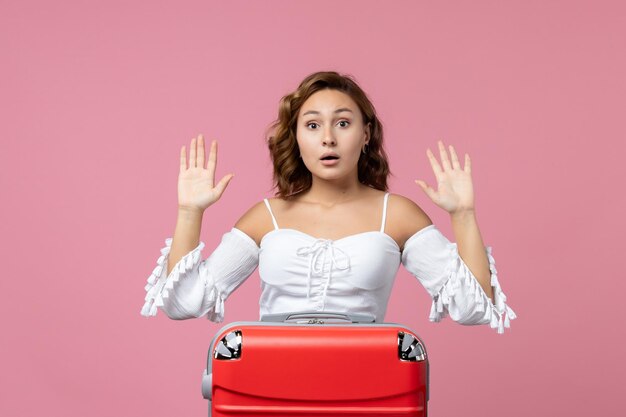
[[336, 111]]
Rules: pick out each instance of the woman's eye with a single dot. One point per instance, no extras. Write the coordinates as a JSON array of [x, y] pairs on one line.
[[346, 123], [311, 123]]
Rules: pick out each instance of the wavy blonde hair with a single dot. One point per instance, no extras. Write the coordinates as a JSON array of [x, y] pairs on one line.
[[291, 176]]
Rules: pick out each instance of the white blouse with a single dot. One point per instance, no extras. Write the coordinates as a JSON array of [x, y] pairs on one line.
[[299, 272]]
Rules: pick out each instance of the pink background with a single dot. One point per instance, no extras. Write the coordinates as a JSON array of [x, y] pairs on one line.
[[98, 97]]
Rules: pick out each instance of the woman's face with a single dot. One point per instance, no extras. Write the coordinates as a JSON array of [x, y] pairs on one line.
[[330, 122]]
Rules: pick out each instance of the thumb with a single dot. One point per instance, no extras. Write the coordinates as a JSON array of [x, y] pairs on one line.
[[426, 188], [221, 186]]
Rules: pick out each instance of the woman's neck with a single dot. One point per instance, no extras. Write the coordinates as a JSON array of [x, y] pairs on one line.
[[331, 193]]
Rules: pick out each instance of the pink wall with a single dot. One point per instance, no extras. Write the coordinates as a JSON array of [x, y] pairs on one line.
[[97, 100]]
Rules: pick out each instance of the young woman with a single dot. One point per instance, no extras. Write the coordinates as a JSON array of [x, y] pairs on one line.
[[333, 237]]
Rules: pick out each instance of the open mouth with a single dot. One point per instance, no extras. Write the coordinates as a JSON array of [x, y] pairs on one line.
[[329, 160]]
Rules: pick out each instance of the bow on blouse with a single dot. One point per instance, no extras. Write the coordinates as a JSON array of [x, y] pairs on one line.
[[324, 248]]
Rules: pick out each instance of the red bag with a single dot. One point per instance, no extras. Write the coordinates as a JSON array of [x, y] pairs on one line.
[[316, 364]]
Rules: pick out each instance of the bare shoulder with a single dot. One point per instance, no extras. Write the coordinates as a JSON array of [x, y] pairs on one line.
[[405, 218], [255, 222]]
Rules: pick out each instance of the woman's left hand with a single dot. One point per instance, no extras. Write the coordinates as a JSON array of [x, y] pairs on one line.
[[455, 192]]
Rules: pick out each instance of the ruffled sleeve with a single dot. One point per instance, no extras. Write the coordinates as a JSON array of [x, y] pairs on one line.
[[197, 287], [435, 262]]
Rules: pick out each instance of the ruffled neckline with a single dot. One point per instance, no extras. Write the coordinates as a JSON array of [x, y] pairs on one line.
[[348, 237]]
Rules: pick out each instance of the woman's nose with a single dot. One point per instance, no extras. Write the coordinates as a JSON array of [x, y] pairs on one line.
[[329, 137]]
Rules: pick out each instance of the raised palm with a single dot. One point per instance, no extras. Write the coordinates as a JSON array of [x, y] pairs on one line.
[[455, 191], [196, 188]]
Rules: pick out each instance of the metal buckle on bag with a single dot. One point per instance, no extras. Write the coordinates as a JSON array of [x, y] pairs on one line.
[[410, 348], [229, 347]]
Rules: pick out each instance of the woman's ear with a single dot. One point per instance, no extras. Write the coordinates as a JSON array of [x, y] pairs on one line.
[[367, 132]]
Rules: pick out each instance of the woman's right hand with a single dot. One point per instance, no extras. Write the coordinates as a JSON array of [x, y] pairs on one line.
[[196, 189]]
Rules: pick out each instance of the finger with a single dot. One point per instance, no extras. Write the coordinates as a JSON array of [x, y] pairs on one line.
[[427, 189], [444, 156], [183, 159], [434, 164], [201, 150], [221, 186], [212, 161], [468, 164], [454, 157], [192, 153]]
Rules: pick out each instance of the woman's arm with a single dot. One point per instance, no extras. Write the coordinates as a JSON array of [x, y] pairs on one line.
[[180, 260], [471, 247], [186, 235], [196, 192], [455, 194], [464, 282]]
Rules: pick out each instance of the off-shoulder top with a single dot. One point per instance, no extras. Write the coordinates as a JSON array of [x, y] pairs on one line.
[[299, 272]]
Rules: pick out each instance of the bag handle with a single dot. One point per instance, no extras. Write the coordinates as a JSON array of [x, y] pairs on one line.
[[313, 317]]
